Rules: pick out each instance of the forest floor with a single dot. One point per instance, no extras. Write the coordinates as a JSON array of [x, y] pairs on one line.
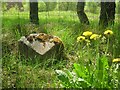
[[25, 73]]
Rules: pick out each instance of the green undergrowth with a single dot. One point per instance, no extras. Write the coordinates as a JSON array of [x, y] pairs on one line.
[[20, 72]]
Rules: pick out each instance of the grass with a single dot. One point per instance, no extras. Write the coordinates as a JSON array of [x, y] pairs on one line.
[[21, 73]]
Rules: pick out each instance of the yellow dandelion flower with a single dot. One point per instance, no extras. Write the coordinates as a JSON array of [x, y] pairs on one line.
[[80, 38], [108, 32], [87, 33], [95, 36], [116, 60]]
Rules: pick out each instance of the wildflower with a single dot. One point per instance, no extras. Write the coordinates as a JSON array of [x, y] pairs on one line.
[[95, 36], [80, 38], [108, 32], [116, 60], [87, 33]]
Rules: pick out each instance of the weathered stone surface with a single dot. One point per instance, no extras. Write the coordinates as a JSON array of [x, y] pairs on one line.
[[41, 46]]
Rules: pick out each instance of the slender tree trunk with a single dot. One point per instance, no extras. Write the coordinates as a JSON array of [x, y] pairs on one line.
[[107, 13], [67, 6], [47, 6], [81, 14], [34, 12], [111, 12], [103, 15]]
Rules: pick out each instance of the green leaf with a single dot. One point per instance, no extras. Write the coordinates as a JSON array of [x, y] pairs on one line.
[[62, 76], [105, 62], [80, 70], [69, 74]]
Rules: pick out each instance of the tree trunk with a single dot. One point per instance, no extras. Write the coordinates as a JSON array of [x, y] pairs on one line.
[[47, 6], [34, 12], [81, 14], [107, 13]]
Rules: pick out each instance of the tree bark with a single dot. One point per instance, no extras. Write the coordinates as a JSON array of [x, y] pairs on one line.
[[107, 13], [34, 12], [81, 14]]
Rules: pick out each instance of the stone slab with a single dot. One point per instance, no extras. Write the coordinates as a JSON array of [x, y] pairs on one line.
[[41, 45]]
